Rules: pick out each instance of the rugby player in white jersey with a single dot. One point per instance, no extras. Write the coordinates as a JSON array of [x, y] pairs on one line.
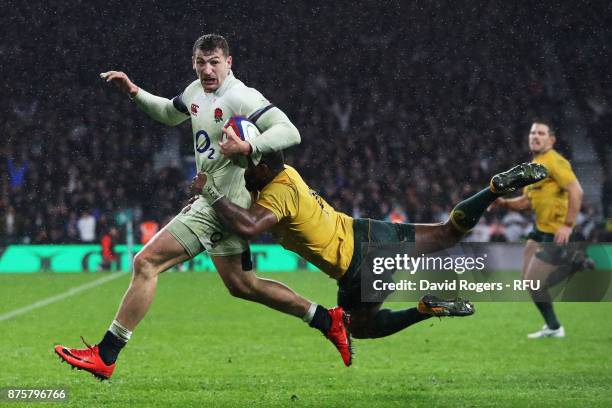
[[209, 101]]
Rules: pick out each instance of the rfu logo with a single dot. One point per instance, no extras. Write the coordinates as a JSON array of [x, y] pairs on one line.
[[194, 109]]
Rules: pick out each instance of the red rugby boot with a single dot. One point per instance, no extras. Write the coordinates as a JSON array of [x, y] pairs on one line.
[[87, 359], [340, 335]]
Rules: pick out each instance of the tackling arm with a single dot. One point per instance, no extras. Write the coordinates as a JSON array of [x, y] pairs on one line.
[[516, 204], [246, 223]]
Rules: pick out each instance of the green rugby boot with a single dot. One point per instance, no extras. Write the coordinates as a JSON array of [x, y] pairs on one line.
[[518, 177], [435, 306]]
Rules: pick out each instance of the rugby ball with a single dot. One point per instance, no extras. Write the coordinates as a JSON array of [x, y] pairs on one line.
[[246, 130]]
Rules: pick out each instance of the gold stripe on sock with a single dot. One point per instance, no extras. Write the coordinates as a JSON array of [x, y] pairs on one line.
[[492, 187], [461, 215]]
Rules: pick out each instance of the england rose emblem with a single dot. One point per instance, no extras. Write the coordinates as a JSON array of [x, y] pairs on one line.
[[218, 115]]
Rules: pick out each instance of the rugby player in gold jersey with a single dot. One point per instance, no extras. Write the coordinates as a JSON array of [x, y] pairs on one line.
[[555, 202], [306, 224]]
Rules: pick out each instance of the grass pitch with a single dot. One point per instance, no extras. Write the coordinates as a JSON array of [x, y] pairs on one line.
[[199, 347]]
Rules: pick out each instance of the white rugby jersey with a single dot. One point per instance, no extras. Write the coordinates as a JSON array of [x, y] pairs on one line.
[[209, 111]]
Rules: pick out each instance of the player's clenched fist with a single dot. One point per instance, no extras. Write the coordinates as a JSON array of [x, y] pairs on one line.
[[197, 183], [233, 144], [205, 185], [121, 80]]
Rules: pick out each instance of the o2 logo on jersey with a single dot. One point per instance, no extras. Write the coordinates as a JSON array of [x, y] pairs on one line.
[[202, 144]]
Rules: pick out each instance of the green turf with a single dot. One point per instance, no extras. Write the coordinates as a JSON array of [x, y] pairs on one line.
[[198, 347]]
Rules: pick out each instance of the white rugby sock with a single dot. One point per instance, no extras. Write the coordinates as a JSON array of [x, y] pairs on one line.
[[310, 313], [119, 331]]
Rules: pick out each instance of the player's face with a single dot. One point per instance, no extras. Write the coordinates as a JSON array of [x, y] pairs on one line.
[[211, 67], [249, 180], [540, 139]]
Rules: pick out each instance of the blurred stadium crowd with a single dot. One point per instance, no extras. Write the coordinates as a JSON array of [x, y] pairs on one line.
[[403, 109]]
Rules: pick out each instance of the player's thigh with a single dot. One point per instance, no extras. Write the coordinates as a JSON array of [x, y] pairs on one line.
[[204, 231], [232, 273], [163, 251], [539, 270], [534, 267], [227, 266], [367, 232], [382, 232], [350, 299], [181, 239], [434, 237], [531, 247], [203, 223]]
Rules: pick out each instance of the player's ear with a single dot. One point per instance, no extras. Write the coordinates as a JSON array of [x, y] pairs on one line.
[[193, 62], [229, 62]]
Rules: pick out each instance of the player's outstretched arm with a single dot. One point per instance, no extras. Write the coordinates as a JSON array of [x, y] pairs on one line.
[[245, 223], [122, 81], [516, 204], [161, 109]]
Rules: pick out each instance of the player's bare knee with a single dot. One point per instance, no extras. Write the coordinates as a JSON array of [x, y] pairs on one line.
[[144, 267]]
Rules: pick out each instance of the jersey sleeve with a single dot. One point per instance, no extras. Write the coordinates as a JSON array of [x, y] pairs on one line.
[[245, 101], [279, 198], [179, 104], [169, 112], [278, 132], [561, 171]]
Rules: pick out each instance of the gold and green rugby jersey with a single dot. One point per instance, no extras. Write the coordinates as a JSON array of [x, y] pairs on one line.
[[307, 224], [548, 197]]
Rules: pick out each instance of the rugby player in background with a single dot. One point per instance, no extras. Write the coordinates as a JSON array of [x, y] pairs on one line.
[[306, 224], [555, 201]]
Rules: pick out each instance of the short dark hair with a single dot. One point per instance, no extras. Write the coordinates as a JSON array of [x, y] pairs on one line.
[[543, 121], [274, 160], [210, 42]]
